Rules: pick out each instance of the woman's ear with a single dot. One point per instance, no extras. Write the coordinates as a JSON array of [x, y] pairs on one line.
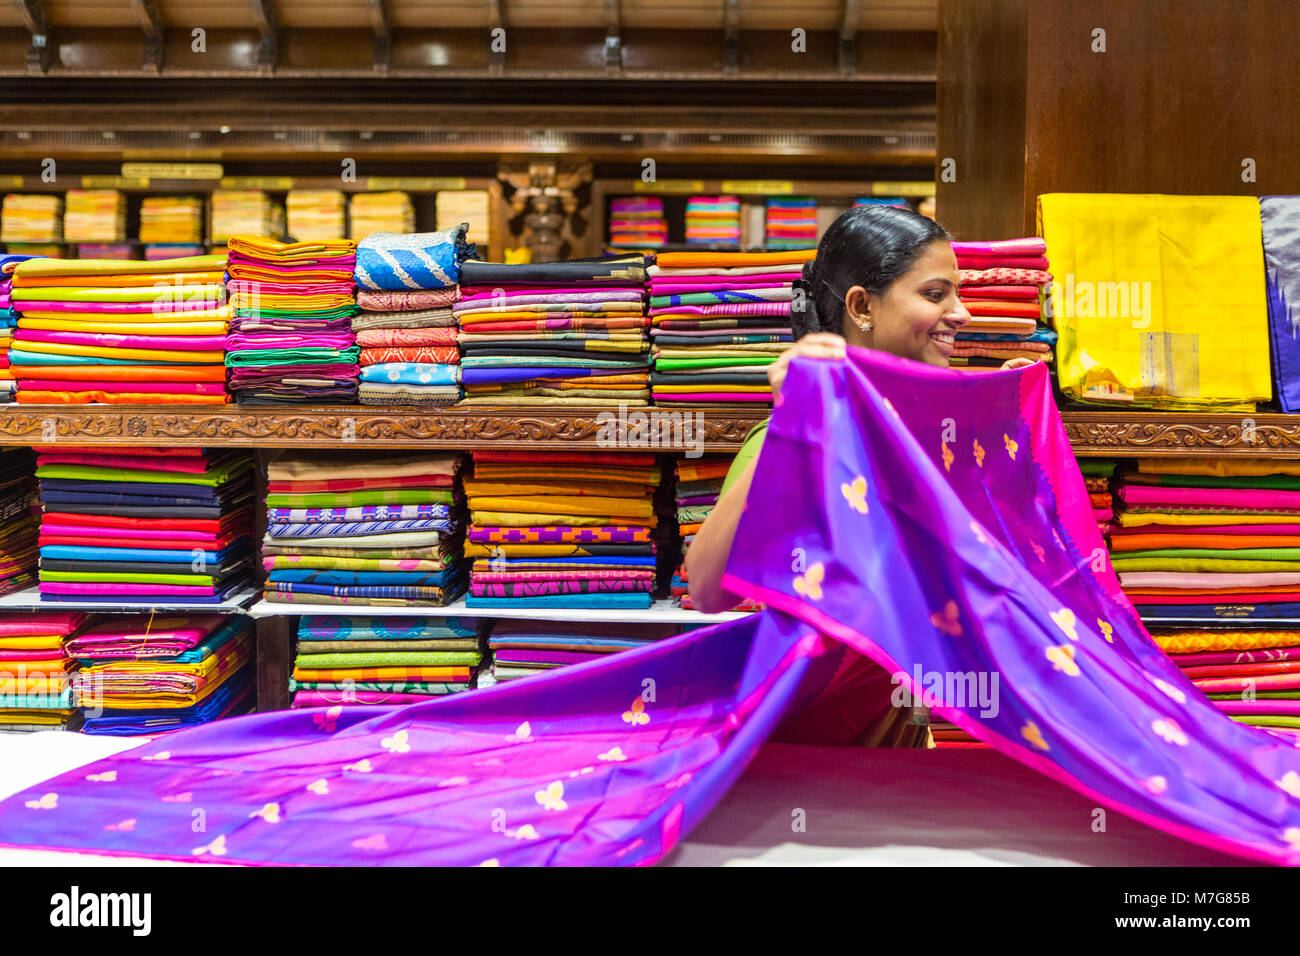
[[858, 305]]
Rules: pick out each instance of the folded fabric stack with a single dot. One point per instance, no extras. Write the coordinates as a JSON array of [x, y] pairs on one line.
[[562, 529], [407, 331], [122, 332], [106, 250], [36, 671], [31, 218], [1097, 475], [555, 332], [946, 735], [357, 529], [291, 338], [898, 202], [470, 206], [95, 215], [699, 483], [791, 223], [1207, 538], [20, 510], [383, 660], [239, 212], [720, 318], [713, 220], [523, 648], [1139, 307], [151, 674], [1000, 286], [317, 214], [1253, 676], [8, 322], [380, 212], [637, 223], [171, 219], [145, 525]]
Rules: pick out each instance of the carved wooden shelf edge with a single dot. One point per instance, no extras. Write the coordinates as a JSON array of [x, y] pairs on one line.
[[1182, 434], [661, 429]]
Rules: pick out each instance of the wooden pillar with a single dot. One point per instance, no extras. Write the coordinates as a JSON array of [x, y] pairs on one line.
[[274, 661], [1163, 96]]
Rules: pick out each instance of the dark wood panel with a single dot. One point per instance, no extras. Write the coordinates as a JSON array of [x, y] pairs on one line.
[[981, 94]]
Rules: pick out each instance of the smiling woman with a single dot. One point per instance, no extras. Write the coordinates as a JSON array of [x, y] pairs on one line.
[[883, 279]]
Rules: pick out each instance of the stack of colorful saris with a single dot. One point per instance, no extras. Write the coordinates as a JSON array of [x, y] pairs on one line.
[[637, 223], [1141, 314], [713, 220], [95, 215], [719, 319], [1097, 475], [130, 332], [149, 674], [237, 212], [383, 660], [35, 671], [554, 332], [699, 484], [1253, 676], [523, 648], [8, 322], [791, 223], [390, 212], [31, 218], [1001, 282], [19, 519], [1208, 538], [364, 529], [291, 338], [316, 215], [171, 227], [145, 525], [407, 332], [562, 529]]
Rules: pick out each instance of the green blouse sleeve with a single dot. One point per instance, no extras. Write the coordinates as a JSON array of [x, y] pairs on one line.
[[748, 452]]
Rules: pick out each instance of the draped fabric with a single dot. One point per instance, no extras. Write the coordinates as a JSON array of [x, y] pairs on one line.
[[922, 563]]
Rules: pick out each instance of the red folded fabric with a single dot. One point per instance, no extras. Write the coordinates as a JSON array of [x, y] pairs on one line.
[[1022, 310]]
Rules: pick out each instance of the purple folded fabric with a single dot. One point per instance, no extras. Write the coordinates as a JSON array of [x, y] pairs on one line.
[[669, 285], [115, 340], [1210, 497], [606, 291], [316, 698], [253, 286], [249, 324], [551, 658], [327, 340], [734, 308], [745, 330], [556, 534], [51, 587], [124, 308], [477, 302], [526, 589], [324, 262]]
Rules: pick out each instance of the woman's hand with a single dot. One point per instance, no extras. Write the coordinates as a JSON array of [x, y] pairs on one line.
[[1017, 363], [824, 345]]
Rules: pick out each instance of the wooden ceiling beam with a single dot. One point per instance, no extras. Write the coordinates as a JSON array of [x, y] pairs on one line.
[[613, 36], [379, 24], [849, 37], [268, 33], [40, 54], [731, 37], [146, 11]]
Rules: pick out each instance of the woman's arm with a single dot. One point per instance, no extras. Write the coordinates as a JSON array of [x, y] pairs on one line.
[[707, 558]]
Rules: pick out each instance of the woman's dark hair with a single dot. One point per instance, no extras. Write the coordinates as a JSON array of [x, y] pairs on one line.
[[870, 246]]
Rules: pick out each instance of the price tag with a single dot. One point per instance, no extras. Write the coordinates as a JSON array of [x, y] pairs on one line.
[[902, 189], [257, 182], [173, 170], [11, 182], [672, 186], [419, 184], [114, 182], [766, 187]]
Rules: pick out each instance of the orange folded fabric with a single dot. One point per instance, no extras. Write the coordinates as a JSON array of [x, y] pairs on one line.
[[123, 281], [725, 260], [125, 373], [1144, 542]]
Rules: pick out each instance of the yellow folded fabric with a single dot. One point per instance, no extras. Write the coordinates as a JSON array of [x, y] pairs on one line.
[[265, 300], [260, 247], [122, 281], [32, 642], [1219, 467], [1129, 520], [1159, 300], [612, 489], [149, 355], [565, 504], [214, 293], [517, 519], [90, 267], [1192, 641]]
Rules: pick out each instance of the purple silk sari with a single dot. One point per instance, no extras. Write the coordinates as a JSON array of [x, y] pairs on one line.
[[933, 526]]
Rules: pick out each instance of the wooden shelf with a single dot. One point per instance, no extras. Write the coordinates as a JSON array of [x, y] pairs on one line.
[[1142, 433], [659, 612], [370, 426], [29, 599]]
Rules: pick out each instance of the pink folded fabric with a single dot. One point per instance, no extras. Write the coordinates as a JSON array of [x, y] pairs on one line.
[[713, 397], [613, 293], [1262, 530], [1194, 579], [735, 308], [1265, 498], [140, 534], [195, 466], [999, 292], [1249, 708], [668, 285], [330, 340], [408, 301], [388, 338], [7, 655], [290, 288], [52, 587], [1028, 246], [124, 308], [1002, 262], [53, 622], [1000, 276], [170, 388], [116, 340]]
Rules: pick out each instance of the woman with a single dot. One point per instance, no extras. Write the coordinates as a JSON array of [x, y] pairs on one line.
[[884, 278]]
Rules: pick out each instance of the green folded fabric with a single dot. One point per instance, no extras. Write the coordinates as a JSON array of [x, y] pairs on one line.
[[1261, 694], [1235, 554], [194, 580], [338, 312], [1278, 720], [449, 644], [395, 659], [347, 499], [433, 689], [1217, 481], [210, 478], [213, 292], [668, 365], [1200, 564], [302, 356]]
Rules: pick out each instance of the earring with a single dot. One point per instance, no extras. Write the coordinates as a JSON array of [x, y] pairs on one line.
[[863, 324]]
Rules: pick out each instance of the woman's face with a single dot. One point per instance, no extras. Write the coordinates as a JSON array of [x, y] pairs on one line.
[[917, 316]]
